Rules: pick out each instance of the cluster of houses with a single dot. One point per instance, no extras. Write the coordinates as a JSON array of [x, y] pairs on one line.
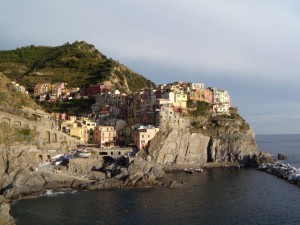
[[54, 92], [111, 133], [120, 119], [19, 87]]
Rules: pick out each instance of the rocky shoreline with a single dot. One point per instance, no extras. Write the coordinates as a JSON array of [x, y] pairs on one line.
[[284, 171], [22, 176], [25, 179]]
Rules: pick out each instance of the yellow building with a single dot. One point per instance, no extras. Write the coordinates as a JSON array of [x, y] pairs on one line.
[[80, 133]]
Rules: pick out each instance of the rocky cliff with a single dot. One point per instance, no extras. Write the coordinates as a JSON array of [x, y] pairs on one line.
[[198, 141], [5, 218], [21, 176]]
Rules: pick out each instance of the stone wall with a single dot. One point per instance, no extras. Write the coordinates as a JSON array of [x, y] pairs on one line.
[[167, 120], [48, 136]]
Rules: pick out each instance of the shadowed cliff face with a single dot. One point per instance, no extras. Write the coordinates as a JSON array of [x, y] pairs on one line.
[[5, 218], [227, 143]]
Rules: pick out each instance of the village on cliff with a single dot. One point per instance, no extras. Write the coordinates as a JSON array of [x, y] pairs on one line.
[[126, 120]]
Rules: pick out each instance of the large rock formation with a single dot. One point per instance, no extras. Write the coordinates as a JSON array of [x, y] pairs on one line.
[[21, 176], [5, 218], [185, 145]]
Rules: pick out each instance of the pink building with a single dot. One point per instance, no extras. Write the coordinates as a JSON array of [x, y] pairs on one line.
[[144, 135], [105, 135]]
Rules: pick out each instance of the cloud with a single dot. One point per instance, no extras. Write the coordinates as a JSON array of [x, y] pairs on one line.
[[238, 39], [248, 47]]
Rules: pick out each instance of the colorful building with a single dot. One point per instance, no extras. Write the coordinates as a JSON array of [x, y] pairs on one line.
[[105, 135], [144, 135]]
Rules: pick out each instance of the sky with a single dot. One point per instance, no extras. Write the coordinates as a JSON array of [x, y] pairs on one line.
[[250, 48]]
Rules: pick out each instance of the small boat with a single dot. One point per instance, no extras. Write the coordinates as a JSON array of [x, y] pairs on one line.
[[84, 155], [190, 171], [199, 170], [56, 158]]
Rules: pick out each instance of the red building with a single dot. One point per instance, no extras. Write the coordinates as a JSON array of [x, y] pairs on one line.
[[93, 90]]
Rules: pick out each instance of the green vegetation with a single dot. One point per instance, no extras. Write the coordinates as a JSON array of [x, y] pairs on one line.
[[234, 115], [199, 108], [74, 107], [11, 100], [229, 126], [79, 64], [10, 135]]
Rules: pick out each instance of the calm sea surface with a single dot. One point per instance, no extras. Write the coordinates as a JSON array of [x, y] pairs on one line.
[[230, 196]]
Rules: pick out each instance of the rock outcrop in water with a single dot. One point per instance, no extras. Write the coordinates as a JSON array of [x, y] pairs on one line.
[[283, 171], [261, 158], [226, 140]]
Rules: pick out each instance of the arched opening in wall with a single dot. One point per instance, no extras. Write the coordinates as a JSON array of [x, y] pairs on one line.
[[17, 124], [53, 137], [47, 137], [103, 153], [6, 120]]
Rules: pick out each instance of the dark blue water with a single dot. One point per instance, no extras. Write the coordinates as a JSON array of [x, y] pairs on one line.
[[288, 145], [217, 196]]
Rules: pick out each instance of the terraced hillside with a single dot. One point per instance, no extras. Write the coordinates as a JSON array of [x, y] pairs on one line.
[[79, 64]]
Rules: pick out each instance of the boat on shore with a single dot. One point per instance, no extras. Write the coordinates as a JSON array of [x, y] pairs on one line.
[[188, 170]]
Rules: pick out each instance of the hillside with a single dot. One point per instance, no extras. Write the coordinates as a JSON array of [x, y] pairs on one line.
[[11, 100], [79, 64]]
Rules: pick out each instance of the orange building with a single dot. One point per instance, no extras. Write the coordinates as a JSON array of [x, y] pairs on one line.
[[204, 95]]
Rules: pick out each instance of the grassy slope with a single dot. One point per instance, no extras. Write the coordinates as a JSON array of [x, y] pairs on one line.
[[12, 100], [78, 64]]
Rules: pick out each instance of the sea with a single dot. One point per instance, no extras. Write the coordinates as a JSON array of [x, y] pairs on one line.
[[229, 196]]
